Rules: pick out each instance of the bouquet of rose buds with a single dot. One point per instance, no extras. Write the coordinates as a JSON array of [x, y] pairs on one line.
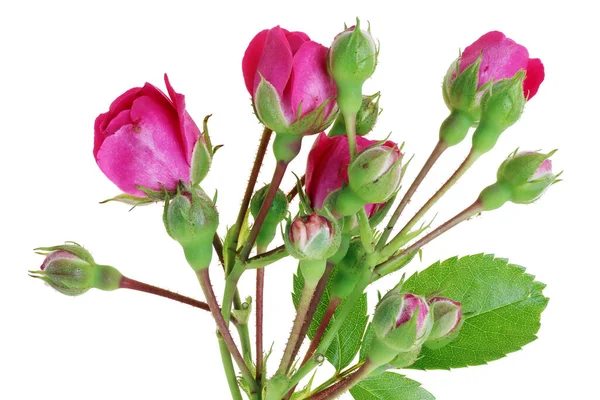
[[456, 313]]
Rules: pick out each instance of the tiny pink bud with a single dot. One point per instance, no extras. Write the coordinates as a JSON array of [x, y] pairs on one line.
[[447, 315], [410, 305], [312, 237]]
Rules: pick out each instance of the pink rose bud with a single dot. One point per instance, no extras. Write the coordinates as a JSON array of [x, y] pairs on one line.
[[71, 270], [490, 59], [146, 139], [327, 170], [312, 237], [402, 322], [286, 75], [522, 178], [447, 321]]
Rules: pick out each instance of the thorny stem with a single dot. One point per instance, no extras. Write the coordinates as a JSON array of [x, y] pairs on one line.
[[229, 370], [345, 384], [204, 279], [337, 377], [260, 290], [329, 312], [464, 167], [438, 150], [264, 209]]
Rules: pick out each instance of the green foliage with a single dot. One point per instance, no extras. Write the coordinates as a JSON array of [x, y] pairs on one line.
[[501, 304], [390, 386], [347, 340]]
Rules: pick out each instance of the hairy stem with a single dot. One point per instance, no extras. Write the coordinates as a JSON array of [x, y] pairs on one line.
[[260, 291], [438, 150], [464, 167], [345, 384], [229, 371], [350, 120], [329, 312]]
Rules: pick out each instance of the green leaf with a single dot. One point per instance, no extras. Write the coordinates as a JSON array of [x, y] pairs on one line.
[[501, 304], [366, 344], [347, 341], [390, 386]]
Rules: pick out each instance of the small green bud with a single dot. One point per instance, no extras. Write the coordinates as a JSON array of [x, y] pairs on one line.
[[461, 92], [348, 271], [276, 214], [312, 237], [365, 118], [70, 269], [501, 107], [375, 174], [447, 321], [351, 61], [191, 219]]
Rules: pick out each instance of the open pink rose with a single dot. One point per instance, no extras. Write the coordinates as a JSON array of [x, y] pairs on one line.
[[146, 139], [502, 58], [327, 168], [286, 75]]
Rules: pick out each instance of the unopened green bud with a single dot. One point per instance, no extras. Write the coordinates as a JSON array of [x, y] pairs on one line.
[[447, 321], [501, 107], [276, 214], [365, 118], [191, 219], [375, 174], [70, 269], [351, 61]]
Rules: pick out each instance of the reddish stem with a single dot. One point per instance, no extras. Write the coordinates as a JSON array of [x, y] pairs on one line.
[[127, 283], [314, 343], [260, 288]]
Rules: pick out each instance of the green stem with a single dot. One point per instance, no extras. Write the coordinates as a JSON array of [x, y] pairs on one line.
[[438, 150], [260, 290], [395, 243], [345, 384], [387, 266], [366, 237], [336, 378], [346, 308], [301, 313], [204, 279], [229, 371], [268, 258], [350, 120], [230, 289]]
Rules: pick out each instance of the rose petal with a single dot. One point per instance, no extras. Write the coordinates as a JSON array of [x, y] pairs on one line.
[[275, 64], [251, 59], [296, 40], [188, 128], [535, 77], [311, 85]]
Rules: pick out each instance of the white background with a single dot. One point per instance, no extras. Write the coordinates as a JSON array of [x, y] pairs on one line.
[[61, 64]]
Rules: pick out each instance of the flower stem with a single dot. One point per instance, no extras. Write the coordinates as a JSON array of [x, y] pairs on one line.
[[393, 245], [350, 120], [264, 209], [438, 150], [204, 279], [366, 237], [345, 384], [231, 282], [128, 283], [387, 266], [229, 370], [337, 377], [258, 161], [329, 312], [301, 314], [260, 291]]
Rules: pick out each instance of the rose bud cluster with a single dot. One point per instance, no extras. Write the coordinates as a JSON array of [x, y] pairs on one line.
[[351, 61], [373, 177], [493, 77], [148, 141], [522, 178], [71, 270], [327, 173], [292, 93], [191, 218], [402, 323], [276, 214]]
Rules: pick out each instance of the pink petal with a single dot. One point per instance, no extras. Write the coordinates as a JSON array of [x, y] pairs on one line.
[[146, 153], [501, 57], [311, 85], [275, 64], [123, 102], [251, 59], [189, 130], [535, 77], [296, 40]]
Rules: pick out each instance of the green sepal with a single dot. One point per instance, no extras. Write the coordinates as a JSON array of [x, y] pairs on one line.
[[71, 277], [313, 122], [131, 200], [243, 315], [276, 214], [201, 156], [268, 106], [71, 247], [518, 169], [462, 94], [366, 117]]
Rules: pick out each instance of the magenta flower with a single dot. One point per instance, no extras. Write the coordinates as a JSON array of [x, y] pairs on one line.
[[327, 168], [146, 139], [286, 75], [502, 58]]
